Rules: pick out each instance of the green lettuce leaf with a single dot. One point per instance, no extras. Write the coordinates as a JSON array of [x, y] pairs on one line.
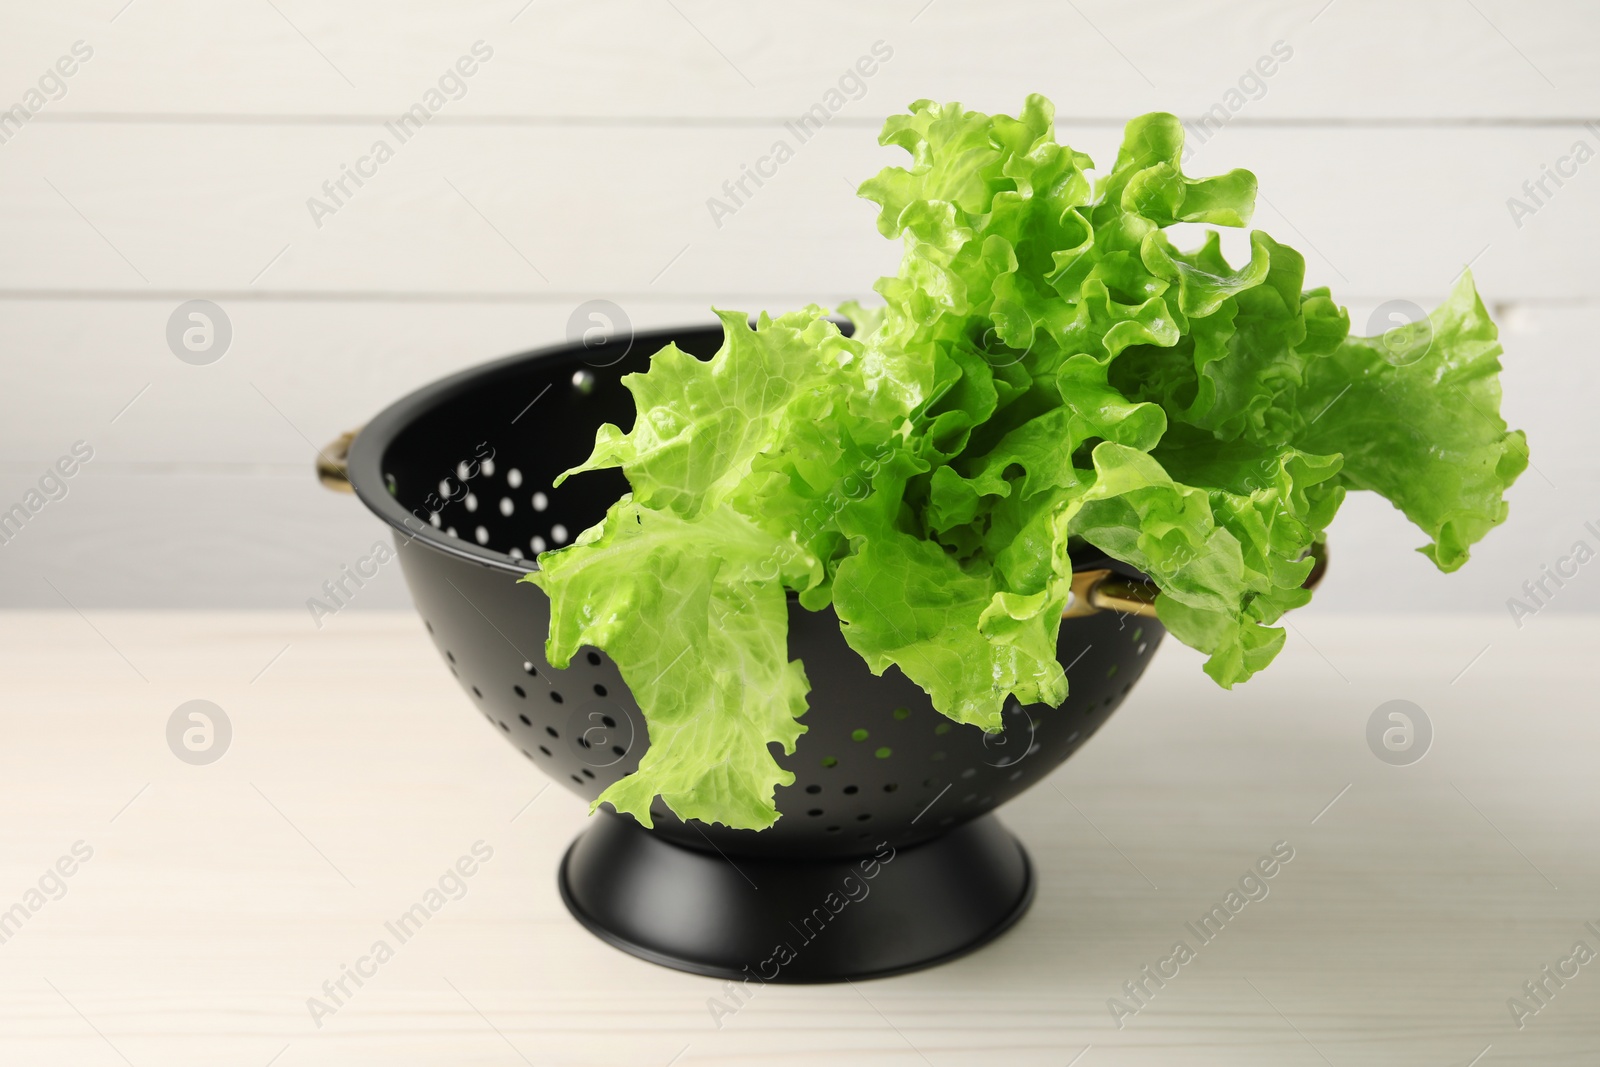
[[1047, 371], [697, 628], [1422, 430]]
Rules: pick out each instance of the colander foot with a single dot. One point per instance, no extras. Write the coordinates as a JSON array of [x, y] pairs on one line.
[[759, 920]]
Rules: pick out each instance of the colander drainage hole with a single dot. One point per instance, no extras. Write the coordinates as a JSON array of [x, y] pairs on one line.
[[618, 750], [593, 658], [599, 690], [454, 671], [428, 624], [477, 692], [587, 773], [551, 730], [864, 816], [528, 668], [504, 727], [546, 751], [611, 724], [814, 812], [890, 788], [555, 696], [451, 656], [525, 720], [851, 790], [831, 829], [575, 778], [521, 692], [813, 789]]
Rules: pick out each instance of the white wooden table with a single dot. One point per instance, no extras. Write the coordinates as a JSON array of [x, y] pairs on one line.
[[219, 898]]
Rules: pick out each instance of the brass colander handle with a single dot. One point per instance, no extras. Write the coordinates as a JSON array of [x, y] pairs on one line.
[[1106, 590], [333, 463]]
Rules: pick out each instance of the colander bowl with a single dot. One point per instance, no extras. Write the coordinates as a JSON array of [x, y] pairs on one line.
[[886, 857]]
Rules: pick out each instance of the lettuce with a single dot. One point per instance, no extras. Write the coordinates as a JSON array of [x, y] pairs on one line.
[[1048, 371]]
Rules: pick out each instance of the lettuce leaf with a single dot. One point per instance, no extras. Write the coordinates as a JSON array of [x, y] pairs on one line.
[[1425, 431], [697, 628], [1047, 371]]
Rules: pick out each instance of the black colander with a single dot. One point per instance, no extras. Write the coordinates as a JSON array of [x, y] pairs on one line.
[[886, 857]]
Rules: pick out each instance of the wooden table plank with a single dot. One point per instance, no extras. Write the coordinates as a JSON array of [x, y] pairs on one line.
[[615, 60], [562, 214]]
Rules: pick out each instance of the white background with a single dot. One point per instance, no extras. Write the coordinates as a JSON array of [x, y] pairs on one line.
[[578, 164]]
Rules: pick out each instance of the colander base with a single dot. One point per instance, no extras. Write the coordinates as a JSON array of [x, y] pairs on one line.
[[760, 919]]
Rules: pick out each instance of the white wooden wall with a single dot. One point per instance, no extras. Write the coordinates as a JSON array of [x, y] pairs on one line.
[[179, 160]]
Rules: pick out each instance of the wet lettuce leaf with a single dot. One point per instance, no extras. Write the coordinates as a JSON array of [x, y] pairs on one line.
[[1048, 370]]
